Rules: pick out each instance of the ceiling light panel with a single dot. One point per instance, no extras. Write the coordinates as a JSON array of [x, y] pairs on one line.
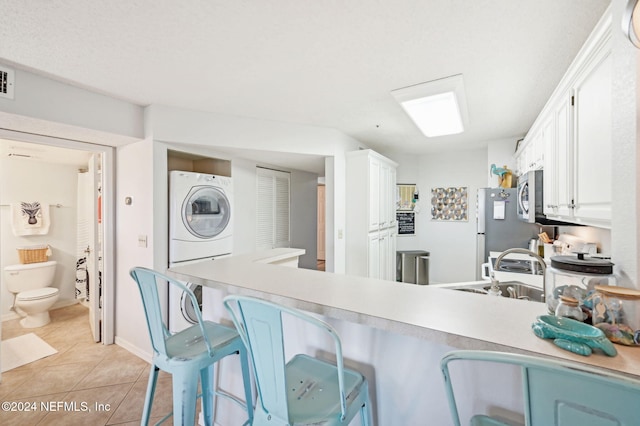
[[437, 107]]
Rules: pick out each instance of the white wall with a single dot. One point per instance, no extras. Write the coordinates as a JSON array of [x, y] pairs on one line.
[[452, 244], [134, 179], [29, 180], [45, 99], [500, 153]]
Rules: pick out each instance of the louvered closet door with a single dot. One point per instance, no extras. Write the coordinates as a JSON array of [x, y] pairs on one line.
[[272, 209]]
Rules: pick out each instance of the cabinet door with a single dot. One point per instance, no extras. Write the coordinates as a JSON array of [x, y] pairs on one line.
[[540, 145], [383, 259], [374, 195], [593, 141], [391, 253], [563, 203], [392, 190], [373, 258], [385, 197], [550, 190]]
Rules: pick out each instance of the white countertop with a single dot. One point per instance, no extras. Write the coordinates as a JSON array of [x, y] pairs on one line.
[[455, 318]]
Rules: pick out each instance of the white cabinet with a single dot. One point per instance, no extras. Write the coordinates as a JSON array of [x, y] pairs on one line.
[[530, 155], [558, 171], [370, 215], [593, 126], [578, 167]]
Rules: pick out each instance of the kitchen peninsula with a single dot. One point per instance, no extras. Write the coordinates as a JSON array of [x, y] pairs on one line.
[[400, 330]]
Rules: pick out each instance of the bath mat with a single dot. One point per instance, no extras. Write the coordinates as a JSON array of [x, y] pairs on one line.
[[22, 350]]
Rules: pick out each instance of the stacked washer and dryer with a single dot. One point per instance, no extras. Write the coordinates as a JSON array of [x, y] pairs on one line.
[[200, 229]]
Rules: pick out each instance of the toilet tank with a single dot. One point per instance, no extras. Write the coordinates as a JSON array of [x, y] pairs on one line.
[[29, 276]]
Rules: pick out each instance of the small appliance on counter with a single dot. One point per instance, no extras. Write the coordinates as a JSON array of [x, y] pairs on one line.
[[574, 277]]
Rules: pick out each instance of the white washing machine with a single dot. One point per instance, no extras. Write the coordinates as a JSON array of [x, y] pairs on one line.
[[181, 312], [200, 216]]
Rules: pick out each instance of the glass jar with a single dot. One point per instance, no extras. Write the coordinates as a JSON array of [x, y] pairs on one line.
[[616, 311], [576, 277], [570, 308]]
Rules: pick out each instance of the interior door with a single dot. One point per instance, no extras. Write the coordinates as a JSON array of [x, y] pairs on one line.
[[94, 249]]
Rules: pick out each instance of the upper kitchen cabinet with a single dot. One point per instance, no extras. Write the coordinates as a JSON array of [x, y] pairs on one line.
[[370, 223], [592, 140], [530, 155], [576, 125]]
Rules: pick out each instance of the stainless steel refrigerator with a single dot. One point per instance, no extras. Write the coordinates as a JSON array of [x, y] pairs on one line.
[[498, 226]]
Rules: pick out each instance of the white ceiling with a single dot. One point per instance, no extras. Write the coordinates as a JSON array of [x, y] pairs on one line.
[[318, 62], [22, 151]]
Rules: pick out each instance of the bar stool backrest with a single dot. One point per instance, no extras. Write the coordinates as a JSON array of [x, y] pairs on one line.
[[259, 323], [558, 393]]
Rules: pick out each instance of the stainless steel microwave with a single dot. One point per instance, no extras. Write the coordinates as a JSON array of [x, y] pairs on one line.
[[530, 197]]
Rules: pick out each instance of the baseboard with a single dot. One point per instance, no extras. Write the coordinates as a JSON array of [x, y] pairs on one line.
[[64, 303], [10, 316], [137, 351]]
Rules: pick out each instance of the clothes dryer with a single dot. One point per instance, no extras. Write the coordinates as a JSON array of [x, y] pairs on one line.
[[200, 216]]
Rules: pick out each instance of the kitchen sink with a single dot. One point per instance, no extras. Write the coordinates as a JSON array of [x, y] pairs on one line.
[[512, 289]]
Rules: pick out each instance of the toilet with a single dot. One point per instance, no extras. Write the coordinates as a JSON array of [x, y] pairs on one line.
[[30, 283]]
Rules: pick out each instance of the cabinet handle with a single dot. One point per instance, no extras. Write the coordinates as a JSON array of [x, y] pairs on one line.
[[551, 206]]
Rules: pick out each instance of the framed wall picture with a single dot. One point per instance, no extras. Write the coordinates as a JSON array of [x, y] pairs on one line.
[[406, 197], [449, 204], [406, 223]]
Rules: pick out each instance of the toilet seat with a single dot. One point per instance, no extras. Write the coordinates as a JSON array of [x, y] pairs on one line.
[[37, 294]]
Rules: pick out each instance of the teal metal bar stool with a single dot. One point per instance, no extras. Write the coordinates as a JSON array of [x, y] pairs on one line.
[[303, 390], [188, 355], [556, 393]]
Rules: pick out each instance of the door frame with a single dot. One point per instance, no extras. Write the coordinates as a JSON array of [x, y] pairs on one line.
[[108, 215]]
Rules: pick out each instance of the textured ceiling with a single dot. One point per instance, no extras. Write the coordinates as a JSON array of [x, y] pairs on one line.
[[317, 62]]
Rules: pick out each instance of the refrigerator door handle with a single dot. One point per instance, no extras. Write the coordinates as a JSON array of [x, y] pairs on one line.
[[480, 259]]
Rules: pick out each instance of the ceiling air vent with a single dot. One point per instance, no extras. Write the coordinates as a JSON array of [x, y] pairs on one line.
[[7, 77]]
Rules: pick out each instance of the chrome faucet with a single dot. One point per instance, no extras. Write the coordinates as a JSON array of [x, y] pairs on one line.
[[495, 290]]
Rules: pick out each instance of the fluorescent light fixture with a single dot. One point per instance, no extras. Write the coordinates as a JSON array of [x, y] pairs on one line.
[[437, 107]]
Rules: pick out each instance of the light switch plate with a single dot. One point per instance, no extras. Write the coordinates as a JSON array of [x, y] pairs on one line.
[[142, 241]]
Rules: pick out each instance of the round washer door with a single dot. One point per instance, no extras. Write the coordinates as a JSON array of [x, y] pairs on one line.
[[206, 211], [186, 307]]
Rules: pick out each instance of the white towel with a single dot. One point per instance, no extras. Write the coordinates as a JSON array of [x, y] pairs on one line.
[[36, 213]]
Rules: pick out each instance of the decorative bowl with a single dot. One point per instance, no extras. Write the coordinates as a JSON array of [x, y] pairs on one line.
[[572, 335]]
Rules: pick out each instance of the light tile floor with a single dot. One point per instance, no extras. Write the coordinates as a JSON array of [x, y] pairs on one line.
[[107, 380]]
